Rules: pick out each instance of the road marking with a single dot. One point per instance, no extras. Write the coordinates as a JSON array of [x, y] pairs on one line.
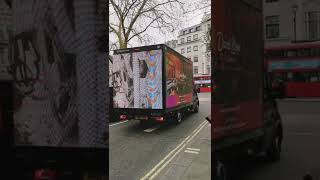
[[168, 155], [165, 158], [165, 164], [114, 124], [196, 132], [193, 149], [165, 161], [152, 129], [193, 152]]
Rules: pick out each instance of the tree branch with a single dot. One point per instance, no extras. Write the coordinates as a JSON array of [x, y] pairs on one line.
[[135, 18], [144, 30]]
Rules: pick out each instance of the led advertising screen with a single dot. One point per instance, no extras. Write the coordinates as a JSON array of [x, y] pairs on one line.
[[45, 95], [137, 80], [179, 81], [57, 99]]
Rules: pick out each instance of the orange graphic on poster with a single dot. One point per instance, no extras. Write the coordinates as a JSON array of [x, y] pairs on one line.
[[179, 80]]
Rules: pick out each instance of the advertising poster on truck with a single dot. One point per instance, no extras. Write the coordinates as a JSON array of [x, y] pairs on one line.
[[238, 52], [179, 81], [54, 79], [151, 78], [55, 90], [137, 80]]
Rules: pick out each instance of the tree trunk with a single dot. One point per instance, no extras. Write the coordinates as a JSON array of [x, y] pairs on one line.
[[123, 44]]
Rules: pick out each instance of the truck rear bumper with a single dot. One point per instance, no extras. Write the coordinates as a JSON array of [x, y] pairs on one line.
[[159, 118]]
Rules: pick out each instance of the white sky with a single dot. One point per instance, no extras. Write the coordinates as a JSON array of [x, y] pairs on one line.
[[187, 20]]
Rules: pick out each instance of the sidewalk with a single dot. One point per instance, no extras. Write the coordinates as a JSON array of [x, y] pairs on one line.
[[194, 161]]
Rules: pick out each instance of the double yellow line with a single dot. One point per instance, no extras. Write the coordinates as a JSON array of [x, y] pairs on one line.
[[166, 160]]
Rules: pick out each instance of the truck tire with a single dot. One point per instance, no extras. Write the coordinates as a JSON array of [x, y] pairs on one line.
[[178, 118], [220, 171], [273, 153], [143, 123]]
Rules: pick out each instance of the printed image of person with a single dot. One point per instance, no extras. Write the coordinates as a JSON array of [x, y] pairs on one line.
[[143, 70], [122, 82], [44, 81]]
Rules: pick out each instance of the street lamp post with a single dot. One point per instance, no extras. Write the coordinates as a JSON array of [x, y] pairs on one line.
[[294, 9]]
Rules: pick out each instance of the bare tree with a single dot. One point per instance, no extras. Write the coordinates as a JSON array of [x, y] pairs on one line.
[[131, 19]]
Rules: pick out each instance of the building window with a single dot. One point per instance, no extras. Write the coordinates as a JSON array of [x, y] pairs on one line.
[[195, 37], [313, 25], [188, 38], [195, 59], [198, 28], [195, 69], [195, 48], [184, 32], [272, 27], [182, 50], [189, 49], [268, 1], [182, 40], [190, 30]]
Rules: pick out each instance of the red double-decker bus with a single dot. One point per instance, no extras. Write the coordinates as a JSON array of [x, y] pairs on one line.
[[296, 67], [202, 83]]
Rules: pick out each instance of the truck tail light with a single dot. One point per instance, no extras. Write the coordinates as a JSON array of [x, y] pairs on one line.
[[123, 117], [45, 174], [159, 118]]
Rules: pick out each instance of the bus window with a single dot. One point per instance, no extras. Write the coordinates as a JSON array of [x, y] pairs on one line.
[[292, 53], [314, 77], [304, 52], [315, 52], [289, 76], [276, 54]]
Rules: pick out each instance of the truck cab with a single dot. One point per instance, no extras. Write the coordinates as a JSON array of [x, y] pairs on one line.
[[195, 107]]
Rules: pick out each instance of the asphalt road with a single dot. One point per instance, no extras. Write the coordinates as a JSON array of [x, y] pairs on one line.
[[300, 148], [134, 150]]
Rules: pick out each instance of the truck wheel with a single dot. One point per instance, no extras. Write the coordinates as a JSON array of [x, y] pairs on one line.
[[220, 171], [142, 123], [273, 154], [178, 118]]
